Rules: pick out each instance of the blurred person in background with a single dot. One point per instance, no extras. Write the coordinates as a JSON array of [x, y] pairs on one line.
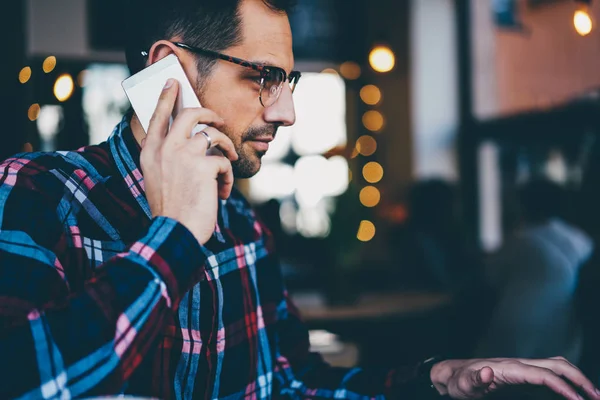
[[133, 267], [443, 258], [434, 245], [535, 277]]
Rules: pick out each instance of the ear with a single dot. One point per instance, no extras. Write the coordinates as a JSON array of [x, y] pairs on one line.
[[160, 50]]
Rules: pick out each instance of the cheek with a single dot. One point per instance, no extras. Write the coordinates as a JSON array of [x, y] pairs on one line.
[[237, 104]]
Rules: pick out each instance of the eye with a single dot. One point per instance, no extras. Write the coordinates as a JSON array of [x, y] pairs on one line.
[[256, 79]]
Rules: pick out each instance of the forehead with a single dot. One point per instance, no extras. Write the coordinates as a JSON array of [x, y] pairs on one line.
[[267, 36]]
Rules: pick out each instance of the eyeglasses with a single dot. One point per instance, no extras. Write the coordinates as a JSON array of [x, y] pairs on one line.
[[271, 78]]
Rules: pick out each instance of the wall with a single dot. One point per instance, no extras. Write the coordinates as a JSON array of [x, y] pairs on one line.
[[70, 40], [548, 63]]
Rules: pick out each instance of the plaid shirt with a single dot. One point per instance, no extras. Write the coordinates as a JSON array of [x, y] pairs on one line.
[[99, 298]]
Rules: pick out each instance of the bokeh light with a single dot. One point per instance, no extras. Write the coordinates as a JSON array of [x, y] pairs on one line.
[[350, 70], [370, 95], [49, 64], [25, 75], [366, 231], [370, 196], [382, 59], [373, 121], [63, 88], [373, 172], [583, 22], [34, 112], [366, 145]]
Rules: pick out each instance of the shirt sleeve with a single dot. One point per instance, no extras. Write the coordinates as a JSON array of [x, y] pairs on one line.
[[302, 374], [57, 342]]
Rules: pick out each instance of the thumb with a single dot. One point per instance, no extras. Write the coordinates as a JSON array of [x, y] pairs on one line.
[[482, 378]]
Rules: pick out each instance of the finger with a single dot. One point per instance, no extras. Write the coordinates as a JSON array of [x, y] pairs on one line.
[[220, 141], [159, 123], [481, 379], [564, 368], [224, 176], [546, 377], [187, 119]]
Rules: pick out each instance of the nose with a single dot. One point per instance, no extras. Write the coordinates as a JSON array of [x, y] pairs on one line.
[[282, 113]]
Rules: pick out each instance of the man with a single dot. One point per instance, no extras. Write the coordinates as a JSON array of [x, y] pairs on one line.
[[121, 271], [535, 277]]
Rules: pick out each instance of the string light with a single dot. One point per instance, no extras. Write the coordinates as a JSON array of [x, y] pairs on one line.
[[350, 70], [370, 196], [366, 231], [49, 64], [373, 172], [366, 145], [63, 88], [34, 112], [382, 59], [25, 75], [370, 95], [373, 120]]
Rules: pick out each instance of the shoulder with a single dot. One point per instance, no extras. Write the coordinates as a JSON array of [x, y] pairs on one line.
[[25, 169], [38, 179]]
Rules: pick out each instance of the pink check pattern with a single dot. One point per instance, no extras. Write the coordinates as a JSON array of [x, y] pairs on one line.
[[98, 298]]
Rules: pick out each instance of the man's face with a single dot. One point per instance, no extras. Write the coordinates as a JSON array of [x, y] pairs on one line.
[[232, 91]]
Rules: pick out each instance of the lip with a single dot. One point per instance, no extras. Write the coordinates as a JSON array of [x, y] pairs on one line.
[[261, 144]]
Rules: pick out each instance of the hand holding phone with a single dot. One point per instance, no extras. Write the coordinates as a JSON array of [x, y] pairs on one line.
[[183, 179], [144, 88]]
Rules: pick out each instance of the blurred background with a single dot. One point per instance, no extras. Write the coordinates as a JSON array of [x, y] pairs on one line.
[[439, 193]]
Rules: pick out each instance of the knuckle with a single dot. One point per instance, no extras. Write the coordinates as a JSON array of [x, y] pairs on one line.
[[464, 384], [188, 113]]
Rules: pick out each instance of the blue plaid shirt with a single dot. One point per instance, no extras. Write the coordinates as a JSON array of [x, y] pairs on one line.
[[98, 298]]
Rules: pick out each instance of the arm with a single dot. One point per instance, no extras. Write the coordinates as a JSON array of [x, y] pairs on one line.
[[56, 343], [302, 374]]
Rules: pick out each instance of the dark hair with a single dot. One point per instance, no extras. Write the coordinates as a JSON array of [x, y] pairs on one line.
[[541, 199], [210, 24]]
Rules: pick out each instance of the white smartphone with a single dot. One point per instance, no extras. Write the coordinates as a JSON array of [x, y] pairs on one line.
[[144, 88]]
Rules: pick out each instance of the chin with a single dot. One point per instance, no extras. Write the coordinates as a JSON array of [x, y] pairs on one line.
[[244, 168]]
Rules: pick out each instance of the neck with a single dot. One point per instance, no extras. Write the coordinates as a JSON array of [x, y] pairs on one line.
[[136, 128]]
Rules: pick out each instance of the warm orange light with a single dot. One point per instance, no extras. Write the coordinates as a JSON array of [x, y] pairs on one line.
[[583, 22], [366, 145], [373, 172], [49, 64], [25, 75], [63, 88], [373, 121], [371, 95], [366, 231], [370, 196], [350, 70], [382, 59], [34, 112]]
